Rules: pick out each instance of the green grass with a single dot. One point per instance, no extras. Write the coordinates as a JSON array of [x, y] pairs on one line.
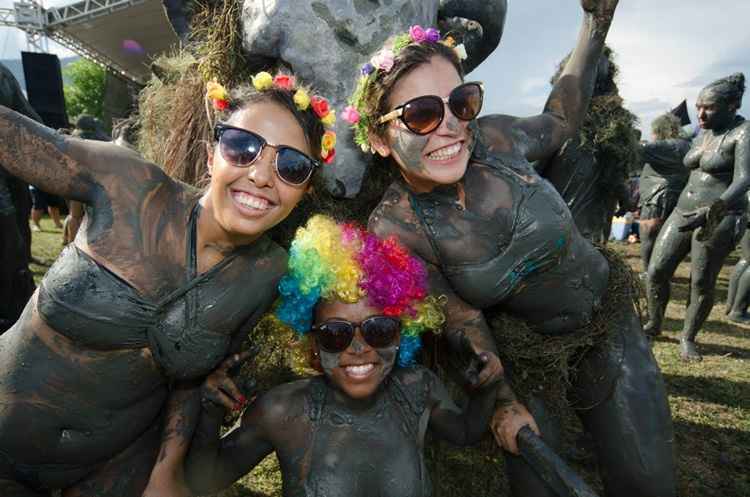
[[710, 400]]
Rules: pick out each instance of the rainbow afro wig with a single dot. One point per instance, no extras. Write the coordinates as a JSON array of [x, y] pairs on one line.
[[330, 260]]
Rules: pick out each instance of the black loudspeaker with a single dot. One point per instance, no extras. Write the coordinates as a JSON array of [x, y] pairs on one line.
[[44, 87]]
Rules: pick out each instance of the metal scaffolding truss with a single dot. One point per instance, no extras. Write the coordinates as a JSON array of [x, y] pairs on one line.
[[121, 35]]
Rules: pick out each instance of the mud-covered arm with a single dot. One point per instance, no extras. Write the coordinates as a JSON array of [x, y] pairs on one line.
[[213, 462], [449, 423], [741, 179], [66, 166], [665, 156], [541, 136]]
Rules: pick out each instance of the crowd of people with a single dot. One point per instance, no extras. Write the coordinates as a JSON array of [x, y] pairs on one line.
[[136, 329]]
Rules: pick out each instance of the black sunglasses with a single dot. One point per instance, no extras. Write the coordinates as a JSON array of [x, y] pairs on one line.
[[335, 335], [242, 148], [422, 115]]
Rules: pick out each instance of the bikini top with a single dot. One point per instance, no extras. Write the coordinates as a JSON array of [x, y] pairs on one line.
[[188, 331], [534, 239]]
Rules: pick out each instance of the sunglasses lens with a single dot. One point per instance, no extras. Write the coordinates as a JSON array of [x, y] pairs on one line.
[[239, 147], [293, 166], [423, 114], [335, 336], [466, 101], [380, 331]]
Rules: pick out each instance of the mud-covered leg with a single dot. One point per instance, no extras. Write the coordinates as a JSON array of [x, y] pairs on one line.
[[523, 480], [707, 258], [648, 231], [739, 284], [671, 247], [632, 427], [126, 474]]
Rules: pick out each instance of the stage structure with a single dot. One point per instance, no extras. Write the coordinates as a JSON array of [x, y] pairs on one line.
[[121, 35]]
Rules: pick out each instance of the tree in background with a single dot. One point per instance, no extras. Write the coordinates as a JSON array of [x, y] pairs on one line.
[[85, 93]]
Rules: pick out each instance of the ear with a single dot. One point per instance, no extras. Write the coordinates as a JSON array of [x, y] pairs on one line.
[[379, 144]]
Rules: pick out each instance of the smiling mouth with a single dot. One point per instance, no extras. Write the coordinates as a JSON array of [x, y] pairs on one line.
[[250, 201], [359, 371], [446, 153]]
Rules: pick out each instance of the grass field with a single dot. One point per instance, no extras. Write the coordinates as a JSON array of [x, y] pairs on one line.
[[710, 400]]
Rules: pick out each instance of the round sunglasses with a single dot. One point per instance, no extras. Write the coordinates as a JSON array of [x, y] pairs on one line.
[[242, 148], [422, 115], [335, 335]]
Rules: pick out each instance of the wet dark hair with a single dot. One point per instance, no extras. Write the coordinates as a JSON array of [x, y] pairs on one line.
[[246, 95], [409, 58], [729, 90]]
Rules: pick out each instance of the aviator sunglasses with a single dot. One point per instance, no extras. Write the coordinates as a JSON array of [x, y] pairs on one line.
[[335, 335], [242, 148], [422, 115]]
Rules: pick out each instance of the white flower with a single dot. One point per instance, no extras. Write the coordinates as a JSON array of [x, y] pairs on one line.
[[461, 52]]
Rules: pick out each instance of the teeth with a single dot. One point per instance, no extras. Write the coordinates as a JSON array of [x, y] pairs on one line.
[[445, 152], [361, 370], [251, 201]]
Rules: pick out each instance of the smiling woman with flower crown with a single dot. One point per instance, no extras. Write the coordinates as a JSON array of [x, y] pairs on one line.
[[153, 293], [497, 238]]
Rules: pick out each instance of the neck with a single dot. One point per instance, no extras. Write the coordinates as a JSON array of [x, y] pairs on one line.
[[342, 399]]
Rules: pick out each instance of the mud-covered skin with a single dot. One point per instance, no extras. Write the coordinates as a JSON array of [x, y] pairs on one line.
[[331, 445], [662, 180], [719, 160], [540, 267], [72, 415], [738, 296]]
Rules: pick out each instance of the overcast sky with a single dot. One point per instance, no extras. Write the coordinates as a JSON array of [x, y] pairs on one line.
[[666, 49]]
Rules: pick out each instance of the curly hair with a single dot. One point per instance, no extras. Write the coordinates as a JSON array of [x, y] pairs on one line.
[[666, 126], [330, 260]]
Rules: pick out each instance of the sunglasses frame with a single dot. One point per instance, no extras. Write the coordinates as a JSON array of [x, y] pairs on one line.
[[353, 327], [219, 130], [398, 112]]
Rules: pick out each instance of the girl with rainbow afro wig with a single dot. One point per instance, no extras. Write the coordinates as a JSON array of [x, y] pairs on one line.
[[329, 261], [358, 429]]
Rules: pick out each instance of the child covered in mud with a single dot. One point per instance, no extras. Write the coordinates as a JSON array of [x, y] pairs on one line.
[[358, 429]]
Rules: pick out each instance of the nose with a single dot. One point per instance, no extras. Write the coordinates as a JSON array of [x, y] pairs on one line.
[[359, 345], [451, 124], [262, 171]]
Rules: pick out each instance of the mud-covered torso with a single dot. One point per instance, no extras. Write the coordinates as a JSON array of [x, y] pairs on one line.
[[513, 244], [375, 452], [711, 161]]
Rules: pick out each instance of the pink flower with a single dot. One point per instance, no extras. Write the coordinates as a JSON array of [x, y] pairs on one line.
[[432, 35], [350, 115], [417, 34], [283, 81], [383, 60]]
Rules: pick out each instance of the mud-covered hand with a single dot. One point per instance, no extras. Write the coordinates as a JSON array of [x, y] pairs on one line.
[[221, 390], [483, 368], [601, 9], [507, 421], [693, 219]]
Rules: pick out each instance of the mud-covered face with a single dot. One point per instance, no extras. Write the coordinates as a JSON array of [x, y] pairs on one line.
[[440, 157], [359, 370], [247, 201], [713, 111]]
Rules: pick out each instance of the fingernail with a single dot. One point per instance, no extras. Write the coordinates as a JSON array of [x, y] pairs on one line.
[[242, 399], [237, 407]]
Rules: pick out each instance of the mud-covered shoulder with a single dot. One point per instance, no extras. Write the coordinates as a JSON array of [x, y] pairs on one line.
[[288, 401]]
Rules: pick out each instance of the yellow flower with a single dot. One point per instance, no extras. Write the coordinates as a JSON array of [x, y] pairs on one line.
[[329, 141], [262, 81], [215, 91], [302, 99], [329, 119]]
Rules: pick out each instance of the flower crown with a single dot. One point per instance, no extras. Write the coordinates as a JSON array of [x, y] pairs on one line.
[[383, 62], [219, 98]]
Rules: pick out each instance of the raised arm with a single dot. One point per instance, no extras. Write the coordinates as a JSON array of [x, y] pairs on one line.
[[666, 156], [66, 166], [541, 136]]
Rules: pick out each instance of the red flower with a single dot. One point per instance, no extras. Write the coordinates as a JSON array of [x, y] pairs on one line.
[[320, 106], [221, 104], [283, 81], [329, 158]]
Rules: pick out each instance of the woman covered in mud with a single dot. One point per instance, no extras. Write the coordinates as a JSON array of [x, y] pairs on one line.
[[151, 296], [358, 429], [498, 238], [710, 216]]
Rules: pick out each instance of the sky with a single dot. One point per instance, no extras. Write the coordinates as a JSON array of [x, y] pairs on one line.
[[667, 51]]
